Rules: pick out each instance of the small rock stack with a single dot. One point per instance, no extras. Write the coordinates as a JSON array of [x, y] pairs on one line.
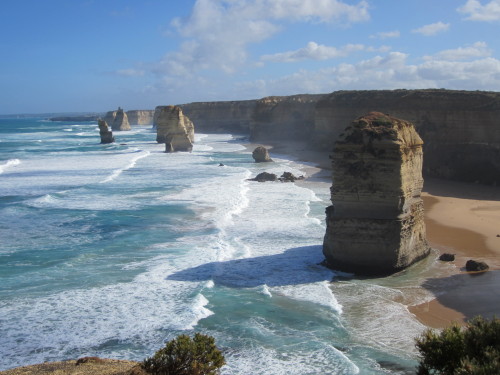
[[104, 132], [376, 224]]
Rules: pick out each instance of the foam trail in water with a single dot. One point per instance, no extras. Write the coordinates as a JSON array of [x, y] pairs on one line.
[[119, 171], [10, 163]]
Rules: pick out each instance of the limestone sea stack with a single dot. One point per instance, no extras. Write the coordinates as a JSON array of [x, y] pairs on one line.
[[376, 224], [104, 132], [261, 155], [173, 128], [121, 121]]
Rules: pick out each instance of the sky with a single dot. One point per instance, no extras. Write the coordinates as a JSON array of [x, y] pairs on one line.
[[96, 55]]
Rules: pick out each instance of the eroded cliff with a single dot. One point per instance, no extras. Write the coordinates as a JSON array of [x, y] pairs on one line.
[[140, 117], [376, 224], [460, 129], [221, 117], [283, 118]]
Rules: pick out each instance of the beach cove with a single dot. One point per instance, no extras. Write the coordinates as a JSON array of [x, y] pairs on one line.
[[291, 315]]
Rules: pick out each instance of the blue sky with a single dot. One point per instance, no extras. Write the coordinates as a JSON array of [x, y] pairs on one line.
[[96, 55]]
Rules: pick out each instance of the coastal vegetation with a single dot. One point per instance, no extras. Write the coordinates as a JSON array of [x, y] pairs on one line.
[[186, 356], [473, 349]]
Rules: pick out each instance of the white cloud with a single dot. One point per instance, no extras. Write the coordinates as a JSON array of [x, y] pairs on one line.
[[388, 72], [432, 29], [478, 49], [218, 32], [386, 34], [314, 51], [478, 12]]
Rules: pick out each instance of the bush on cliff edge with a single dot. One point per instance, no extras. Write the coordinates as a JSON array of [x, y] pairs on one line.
[[186, 356], [472, 350]]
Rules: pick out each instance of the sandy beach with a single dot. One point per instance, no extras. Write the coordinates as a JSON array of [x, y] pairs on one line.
[[462, 219]]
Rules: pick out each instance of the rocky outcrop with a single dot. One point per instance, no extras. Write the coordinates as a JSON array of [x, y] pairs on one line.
[[140, 117], [476, 266], [174, 129], [284, 118], [265, 176], [261, 155], [104, 132], [376, 224], [120, 122], [221, 117], [460, 129]]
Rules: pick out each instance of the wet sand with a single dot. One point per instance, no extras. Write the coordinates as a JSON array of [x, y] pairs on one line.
[[462, 219]]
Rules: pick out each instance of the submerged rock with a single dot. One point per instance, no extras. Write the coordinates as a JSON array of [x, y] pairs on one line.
[[104, 132], [376, 224], [174, 129], [261, 155]]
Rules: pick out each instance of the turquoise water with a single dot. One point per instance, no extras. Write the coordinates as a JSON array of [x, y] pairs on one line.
[[110, 250]]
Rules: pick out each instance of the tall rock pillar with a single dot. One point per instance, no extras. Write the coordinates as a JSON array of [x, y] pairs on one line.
[[173, 128], [376, 223], [104, 132], [120, 121]]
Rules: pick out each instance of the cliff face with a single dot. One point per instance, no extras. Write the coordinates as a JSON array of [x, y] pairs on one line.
[[221, 117], [140, 117], [460, 129], [376, 224], [284, 117], [174, 128]]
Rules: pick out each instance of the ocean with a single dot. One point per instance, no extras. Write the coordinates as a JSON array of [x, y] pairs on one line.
[[110, 250]]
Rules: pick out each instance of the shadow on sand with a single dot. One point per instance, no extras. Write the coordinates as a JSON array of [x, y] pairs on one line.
[[468, 293]]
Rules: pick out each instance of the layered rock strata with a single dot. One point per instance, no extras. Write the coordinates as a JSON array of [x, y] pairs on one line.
[[284, 118], [104, 132], [120, 122], [376, 224], [461, 129], [140, 117], [174, 129], [221, 117]]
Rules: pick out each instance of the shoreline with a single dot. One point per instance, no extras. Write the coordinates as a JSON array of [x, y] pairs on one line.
[[462, 219]]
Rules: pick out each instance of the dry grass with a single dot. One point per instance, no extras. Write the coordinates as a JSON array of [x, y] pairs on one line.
[[89, 366]]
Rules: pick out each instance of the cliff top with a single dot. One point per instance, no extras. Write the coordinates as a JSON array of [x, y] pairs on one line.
[[377, 126]]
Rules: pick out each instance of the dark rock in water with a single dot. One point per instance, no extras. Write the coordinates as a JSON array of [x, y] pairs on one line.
[[290, 177], [104, 132], [446, 257], [474, 265], [221, 165], [265, 176], [261, 155]]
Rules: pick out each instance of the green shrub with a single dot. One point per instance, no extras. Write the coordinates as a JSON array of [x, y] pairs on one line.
[[470, 350], [186, 356]]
